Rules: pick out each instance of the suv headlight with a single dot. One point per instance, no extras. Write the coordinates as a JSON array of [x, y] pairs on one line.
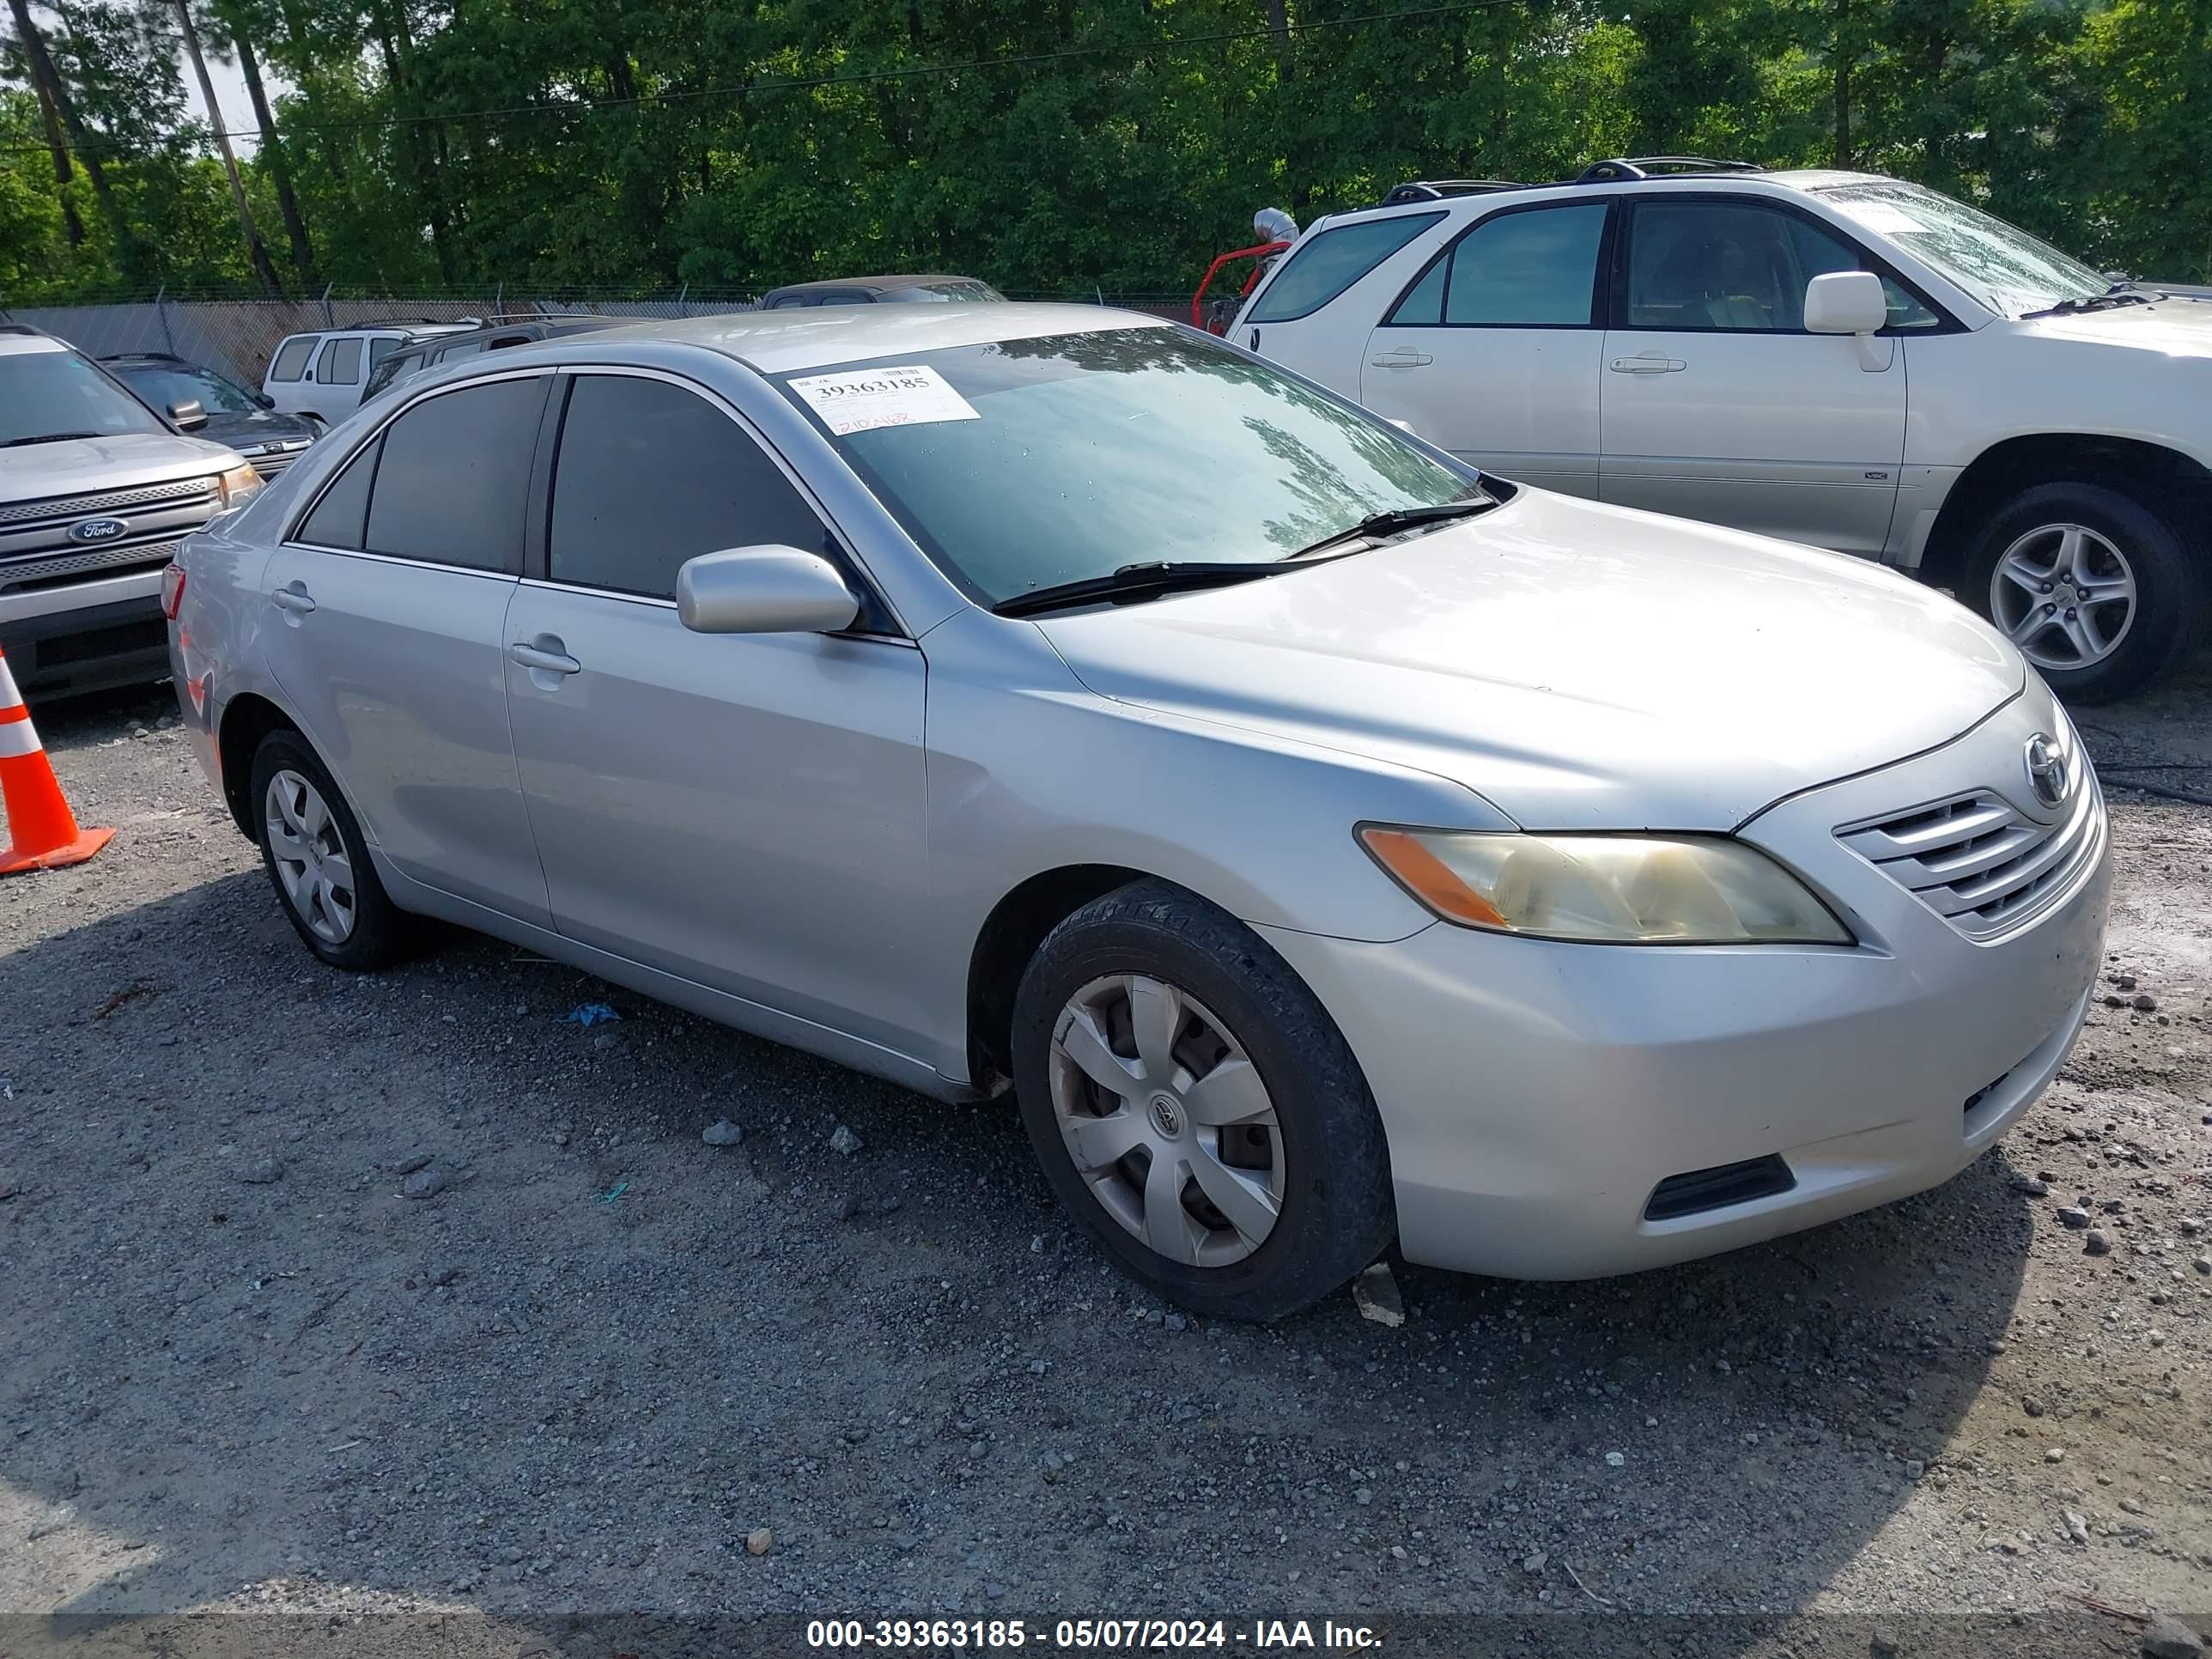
[[238, 485], [1609, 889]]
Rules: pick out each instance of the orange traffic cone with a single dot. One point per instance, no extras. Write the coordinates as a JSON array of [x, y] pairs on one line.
[[43, 830]]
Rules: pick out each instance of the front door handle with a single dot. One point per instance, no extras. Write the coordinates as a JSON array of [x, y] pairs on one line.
[[544, 660], [1401, 358], [292, 597], [1649, 362]]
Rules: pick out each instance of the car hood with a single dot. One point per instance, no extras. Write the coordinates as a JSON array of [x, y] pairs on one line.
[[81, 465], [263, 426], [2180, 326], [1579, 666]]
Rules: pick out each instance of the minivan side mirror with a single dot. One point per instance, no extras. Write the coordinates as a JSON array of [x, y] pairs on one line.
[[764, 590], [1845, 302], [187, 415]]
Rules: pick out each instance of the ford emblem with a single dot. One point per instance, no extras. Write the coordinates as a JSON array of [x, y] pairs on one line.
[[97, 529], [2047, 769]]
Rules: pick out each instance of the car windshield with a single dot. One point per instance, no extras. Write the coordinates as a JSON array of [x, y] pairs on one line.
[[940, 293], [48, 395], [161, 386], [2003, 266], [1026, 464]]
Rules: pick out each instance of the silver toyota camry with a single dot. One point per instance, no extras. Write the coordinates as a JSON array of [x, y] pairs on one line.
[[1327, 843]]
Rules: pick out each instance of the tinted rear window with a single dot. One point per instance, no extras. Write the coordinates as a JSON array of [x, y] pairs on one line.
[[1327, 263], [292, 357], [456, 476]]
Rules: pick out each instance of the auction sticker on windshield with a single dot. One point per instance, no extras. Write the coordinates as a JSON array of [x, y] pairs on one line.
[[862, 399]]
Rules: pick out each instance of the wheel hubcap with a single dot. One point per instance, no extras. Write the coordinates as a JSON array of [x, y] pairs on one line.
[[2065, 595], [310, 856], [1166, 1119]]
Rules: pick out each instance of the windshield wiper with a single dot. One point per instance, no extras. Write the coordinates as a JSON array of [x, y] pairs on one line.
[[46, 438], [1131, 581], [2120, 294], [1397, 518]]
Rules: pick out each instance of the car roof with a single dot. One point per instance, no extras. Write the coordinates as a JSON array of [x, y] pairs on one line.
[[1477, 199], [872, 284], [779, 342]]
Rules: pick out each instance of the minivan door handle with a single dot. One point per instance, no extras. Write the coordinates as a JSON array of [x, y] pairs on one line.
[[1401, 358], [545, 659], [1649, 362], [292, 597]]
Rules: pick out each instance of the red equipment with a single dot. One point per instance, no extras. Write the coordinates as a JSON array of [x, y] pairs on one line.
[[1221, 325]]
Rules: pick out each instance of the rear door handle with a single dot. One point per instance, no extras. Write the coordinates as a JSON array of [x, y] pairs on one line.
[[292, 598], [1401, 358], [1650, 362], [544, 661]]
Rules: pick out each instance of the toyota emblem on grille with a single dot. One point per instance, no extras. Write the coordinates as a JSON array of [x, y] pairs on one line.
[[2046, 770], [97, 529]]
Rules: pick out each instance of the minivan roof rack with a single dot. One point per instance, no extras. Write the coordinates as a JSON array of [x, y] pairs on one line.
[[1435, 190], [1623, 167]]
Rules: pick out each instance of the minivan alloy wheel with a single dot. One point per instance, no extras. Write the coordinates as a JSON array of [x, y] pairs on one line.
[[1167, 1119], [2063, 593], [309, 857]]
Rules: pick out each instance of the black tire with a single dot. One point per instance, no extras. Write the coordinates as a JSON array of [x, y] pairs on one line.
[[381, 932], [1336, 1214], [2169, 578]]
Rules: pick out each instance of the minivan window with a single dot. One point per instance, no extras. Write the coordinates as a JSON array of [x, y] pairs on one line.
[[340, 363], [650, 475], [48, 396], [337, 519], [292, 357], [1331, 261], [455, 477], [1029, 462], [1532, 268]]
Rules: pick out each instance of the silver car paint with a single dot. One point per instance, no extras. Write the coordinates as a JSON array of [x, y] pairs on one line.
[[1505, 1069]]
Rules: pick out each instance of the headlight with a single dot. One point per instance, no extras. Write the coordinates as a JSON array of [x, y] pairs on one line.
[[1612, 890], [238, 485]]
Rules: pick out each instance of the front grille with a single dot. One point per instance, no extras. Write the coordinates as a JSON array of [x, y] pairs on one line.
[[32, 575], [114, 501], [269, 465], [1977, 860], [1697, 1190]]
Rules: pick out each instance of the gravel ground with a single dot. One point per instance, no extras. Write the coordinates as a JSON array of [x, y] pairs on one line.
[[403, 1293]]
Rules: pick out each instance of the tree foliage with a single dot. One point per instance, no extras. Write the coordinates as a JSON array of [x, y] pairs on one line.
[[1047, 145]]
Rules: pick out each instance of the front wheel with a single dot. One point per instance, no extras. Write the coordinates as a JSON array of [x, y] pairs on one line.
[[1194, 1104], [2097, 592]]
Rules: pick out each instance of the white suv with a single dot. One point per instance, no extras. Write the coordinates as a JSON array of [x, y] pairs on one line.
[[321, 375], [1836, 358]]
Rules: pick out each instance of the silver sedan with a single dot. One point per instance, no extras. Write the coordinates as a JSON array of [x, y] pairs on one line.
[[1327, 843]]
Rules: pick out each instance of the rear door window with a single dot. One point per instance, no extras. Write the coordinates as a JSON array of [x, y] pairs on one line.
[[340, 364], [455, 481], [292, 357], [1529, 267], [337, 519], [650, 475], [1326, 263]]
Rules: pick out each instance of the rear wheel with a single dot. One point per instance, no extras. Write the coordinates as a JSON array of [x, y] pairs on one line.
[[2100, 593], [317, 861], [1195, 1105]]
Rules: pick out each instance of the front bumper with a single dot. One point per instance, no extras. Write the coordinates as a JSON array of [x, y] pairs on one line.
[[1535, 1095], [88, 637]]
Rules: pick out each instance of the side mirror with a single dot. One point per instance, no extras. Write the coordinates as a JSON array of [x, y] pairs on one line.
[[188, 415], [1845, 302], [764, 590], [264, 400]]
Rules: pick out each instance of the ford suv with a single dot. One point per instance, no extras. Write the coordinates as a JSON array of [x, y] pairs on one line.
[[95, 492], [1830, 358]]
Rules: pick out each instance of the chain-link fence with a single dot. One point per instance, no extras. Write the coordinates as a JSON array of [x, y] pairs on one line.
[[239, 336]]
